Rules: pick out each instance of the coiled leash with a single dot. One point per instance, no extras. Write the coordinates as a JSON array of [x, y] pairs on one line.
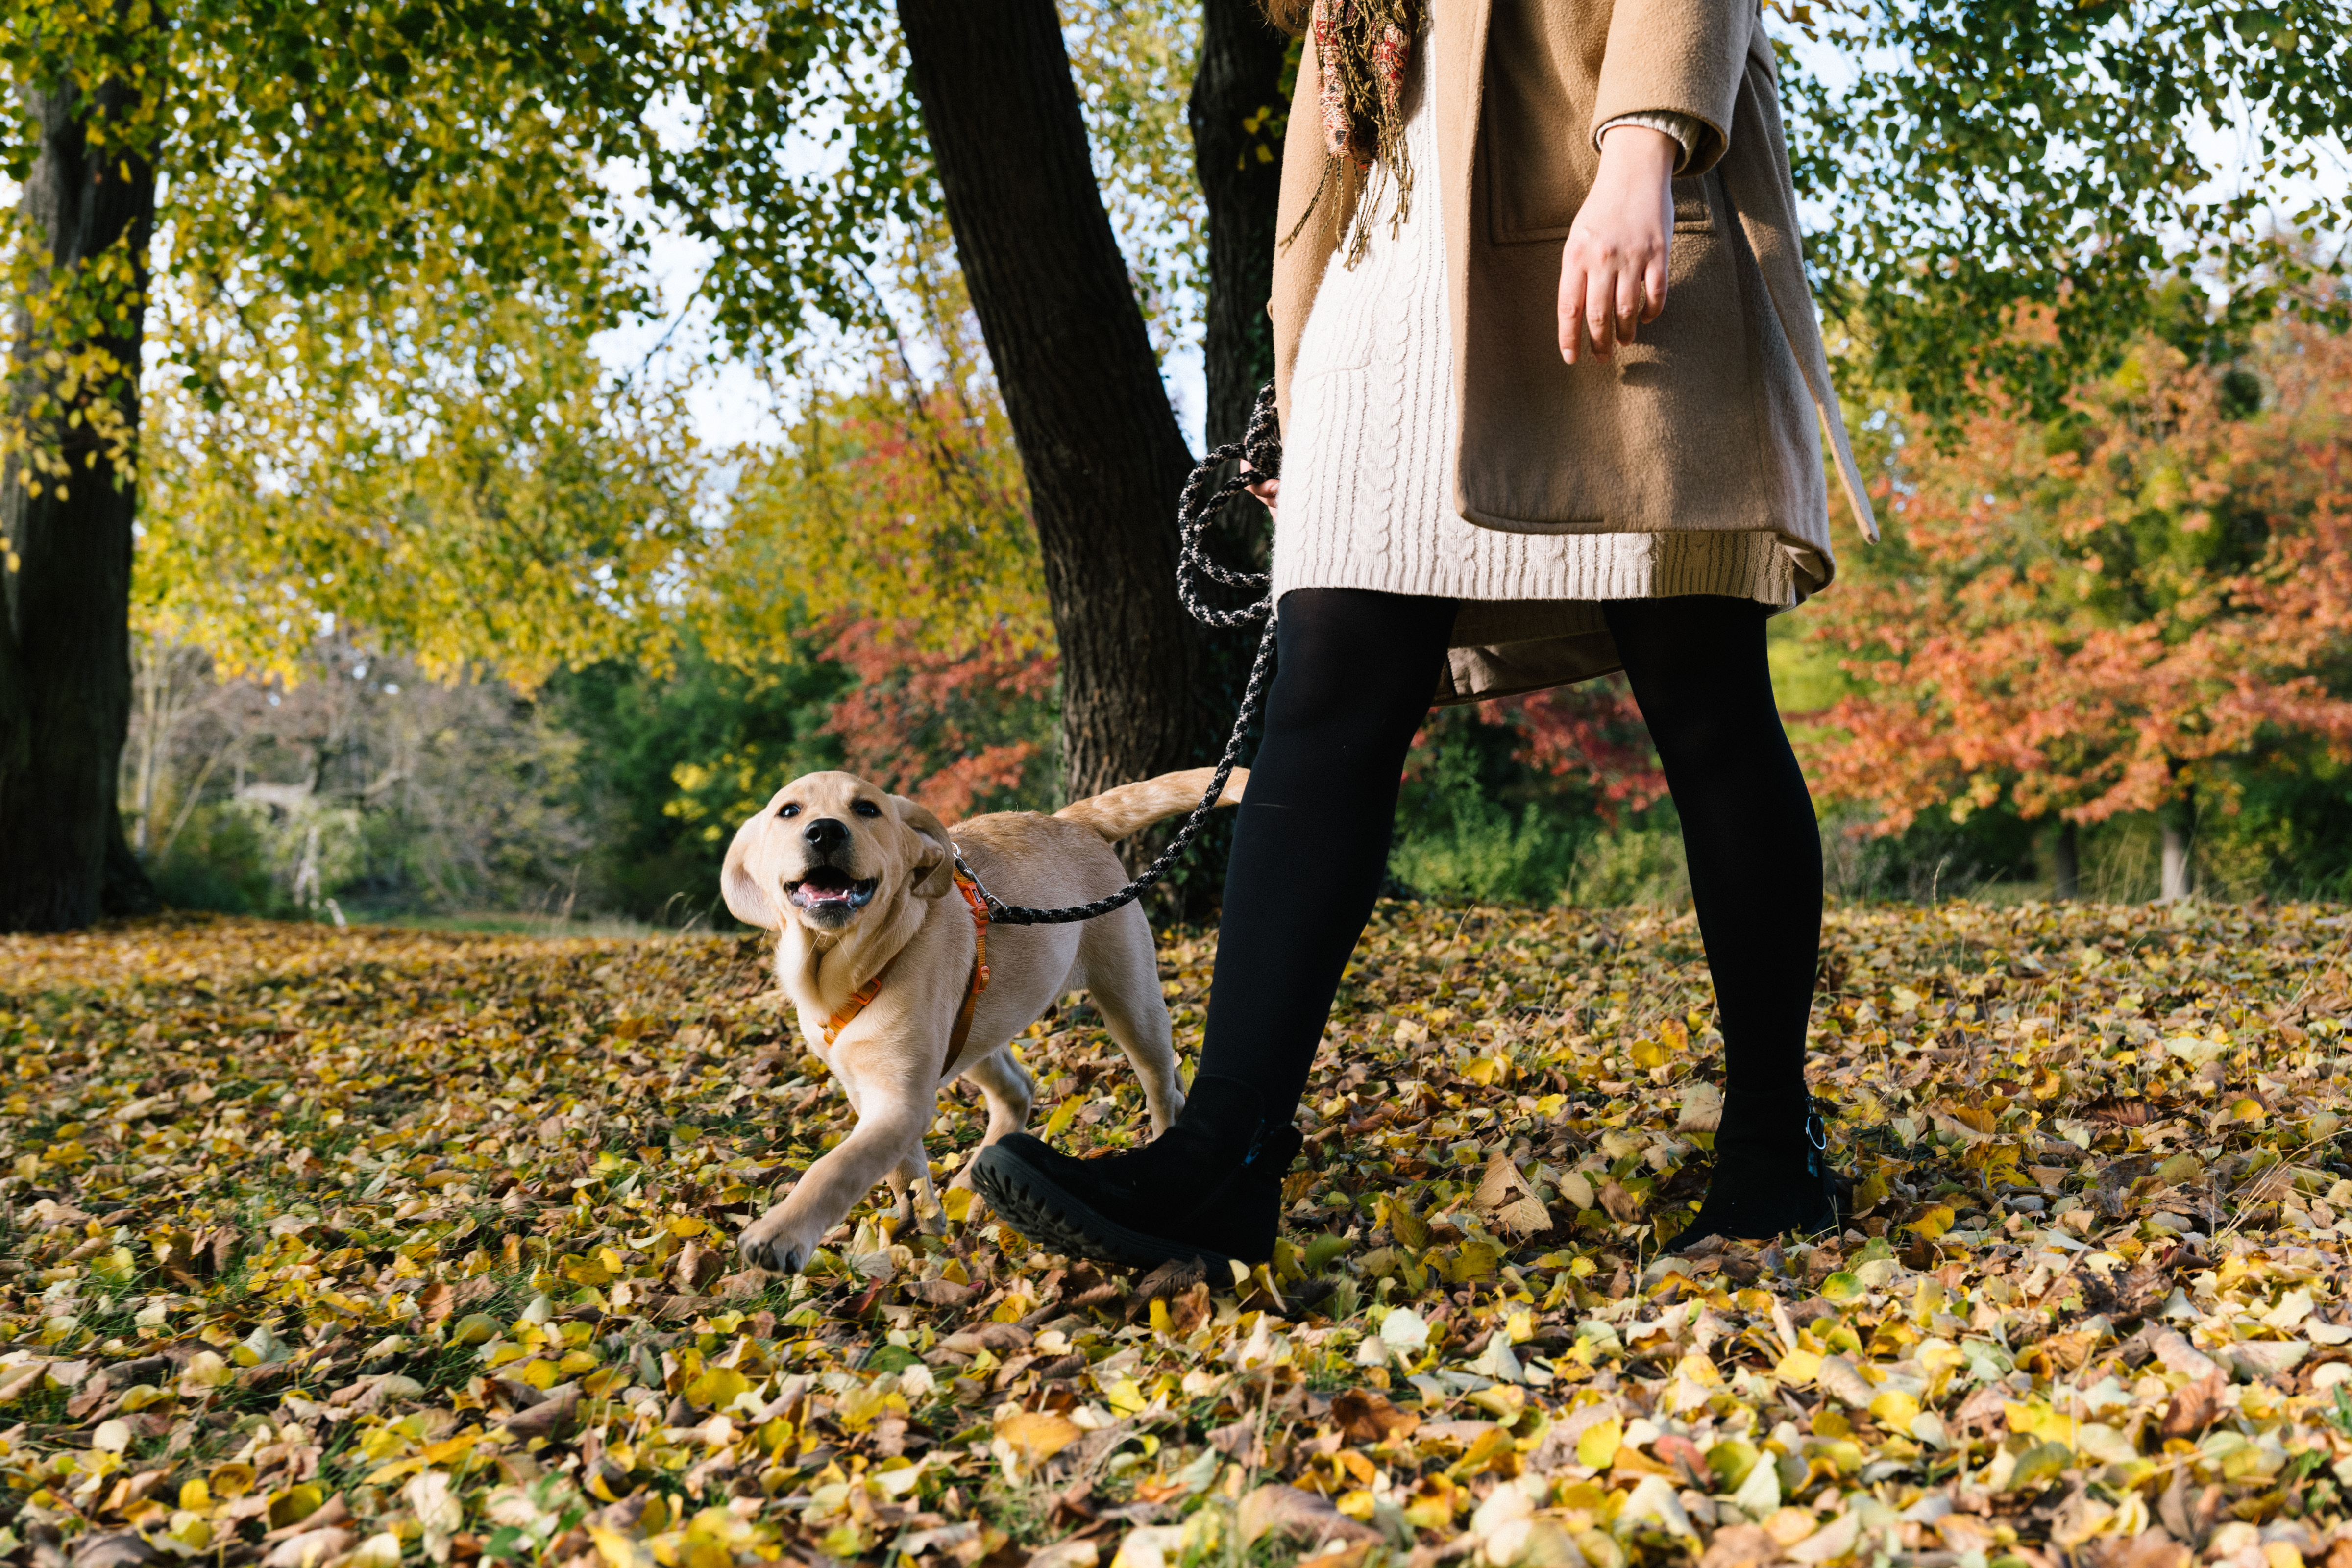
[[1205, 497]]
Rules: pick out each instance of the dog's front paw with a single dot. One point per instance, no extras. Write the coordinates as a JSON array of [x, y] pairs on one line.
[[777, 1244]]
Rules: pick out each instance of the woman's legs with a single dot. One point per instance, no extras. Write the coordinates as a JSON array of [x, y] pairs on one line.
[[1355, 675], [1698, 668], [1310, 847], [1311, 844]]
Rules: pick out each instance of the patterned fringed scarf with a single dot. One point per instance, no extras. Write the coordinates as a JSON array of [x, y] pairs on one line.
[[1364, 48]]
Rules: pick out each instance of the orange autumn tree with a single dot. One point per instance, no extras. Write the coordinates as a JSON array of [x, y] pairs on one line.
[[889, 536], [2114, 614]]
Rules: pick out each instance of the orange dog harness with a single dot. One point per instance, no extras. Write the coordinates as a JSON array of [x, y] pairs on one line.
[[961, 1033]]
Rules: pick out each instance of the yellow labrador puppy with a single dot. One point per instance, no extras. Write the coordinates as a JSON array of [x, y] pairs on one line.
[[901, 985]]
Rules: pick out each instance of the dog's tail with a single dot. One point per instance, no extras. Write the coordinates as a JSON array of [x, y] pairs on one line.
[[1130, 808]]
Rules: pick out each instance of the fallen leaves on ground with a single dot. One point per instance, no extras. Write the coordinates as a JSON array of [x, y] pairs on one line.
[[373, 1247]]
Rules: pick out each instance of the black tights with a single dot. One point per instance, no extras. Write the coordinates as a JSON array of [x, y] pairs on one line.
[[1311, 844]]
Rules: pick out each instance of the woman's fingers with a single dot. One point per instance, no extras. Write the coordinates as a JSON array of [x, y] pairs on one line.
[[1266, 490], [1630, 301], [1600, 308], [1602, 303], [1571, 308]]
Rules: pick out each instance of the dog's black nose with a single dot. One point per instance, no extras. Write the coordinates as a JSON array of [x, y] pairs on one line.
[[827, 833]]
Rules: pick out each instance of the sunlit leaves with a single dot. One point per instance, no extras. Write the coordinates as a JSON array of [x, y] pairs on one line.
[[1989, 165], [476, 491], [2101, 614], [367, 1236]]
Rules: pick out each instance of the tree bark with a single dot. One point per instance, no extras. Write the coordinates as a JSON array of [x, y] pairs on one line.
[[66, 613], [1237, 112], [2065, 864], [2176, 822], [1098, 439]]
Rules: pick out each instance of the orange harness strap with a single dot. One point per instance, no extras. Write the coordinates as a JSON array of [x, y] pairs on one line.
[[961, 1032], [979, 981]]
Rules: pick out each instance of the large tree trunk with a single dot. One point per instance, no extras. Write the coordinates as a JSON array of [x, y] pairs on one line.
[[1098, 441], [66, 613], [1237, 112]]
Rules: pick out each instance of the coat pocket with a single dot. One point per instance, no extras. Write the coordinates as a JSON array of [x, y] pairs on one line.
[[1694, 208]]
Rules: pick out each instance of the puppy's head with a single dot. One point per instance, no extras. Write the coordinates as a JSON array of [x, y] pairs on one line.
[[829, 847]]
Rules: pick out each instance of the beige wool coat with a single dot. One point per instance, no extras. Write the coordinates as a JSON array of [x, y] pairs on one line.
[[1712, 418]]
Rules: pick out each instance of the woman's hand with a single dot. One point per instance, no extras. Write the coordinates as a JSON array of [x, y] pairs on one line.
[[1613, 272], [1264, 490]]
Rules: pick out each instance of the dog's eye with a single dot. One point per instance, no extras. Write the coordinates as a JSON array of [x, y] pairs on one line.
[[788, 809], [867, 808]]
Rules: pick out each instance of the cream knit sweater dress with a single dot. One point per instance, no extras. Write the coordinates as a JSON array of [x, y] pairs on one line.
[[1367, 494]]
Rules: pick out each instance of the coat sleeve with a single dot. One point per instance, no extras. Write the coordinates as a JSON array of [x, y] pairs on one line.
[[1676, 57]]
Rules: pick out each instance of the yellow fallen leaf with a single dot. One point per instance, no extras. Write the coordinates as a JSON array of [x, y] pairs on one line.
[[715, 1387], [1894, 1408], [206, 1369], [1597, 1444], [1037, 1437]]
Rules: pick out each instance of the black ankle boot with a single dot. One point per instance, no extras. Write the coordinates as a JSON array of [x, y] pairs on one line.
[[1209, 1187], [1765, 1187]]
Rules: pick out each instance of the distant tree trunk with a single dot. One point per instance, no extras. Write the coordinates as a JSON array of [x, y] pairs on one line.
[[65, 675], [1098, 441], [1237, 112], [2065, 864], [2176, 821]]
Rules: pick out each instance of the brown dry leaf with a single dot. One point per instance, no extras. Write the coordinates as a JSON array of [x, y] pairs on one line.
[[939, 1292], [366, 1104], [698, 1265], [2151, 1548], [2193, 1409], [437, 1301], [1740, 1546], [555, 1413], [1499, 1181], [1528, 1216], [1302, 1514], [1368, 1418], [1191, 1310]]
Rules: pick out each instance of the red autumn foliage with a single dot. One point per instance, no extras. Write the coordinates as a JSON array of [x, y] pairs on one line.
[[946, 728], [2101, 618], [1593, 733]]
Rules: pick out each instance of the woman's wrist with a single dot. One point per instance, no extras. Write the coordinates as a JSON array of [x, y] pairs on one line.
[[1639, 151], [1614, 268]]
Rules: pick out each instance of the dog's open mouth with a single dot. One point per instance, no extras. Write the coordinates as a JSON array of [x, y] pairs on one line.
[[828, 889]]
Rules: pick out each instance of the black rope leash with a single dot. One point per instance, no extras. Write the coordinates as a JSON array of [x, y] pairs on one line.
[[1205, 497]]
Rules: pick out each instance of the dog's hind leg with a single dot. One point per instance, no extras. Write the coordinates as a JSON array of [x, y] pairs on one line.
[[1118, 968], [917, 1199], [1007, 1088], [910, 1185]]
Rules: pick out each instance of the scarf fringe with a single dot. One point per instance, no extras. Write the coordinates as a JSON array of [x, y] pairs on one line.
[[1365, 50]]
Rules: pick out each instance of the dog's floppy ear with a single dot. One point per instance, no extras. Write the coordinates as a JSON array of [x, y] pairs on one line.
[[934, 860], [748, 897]]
